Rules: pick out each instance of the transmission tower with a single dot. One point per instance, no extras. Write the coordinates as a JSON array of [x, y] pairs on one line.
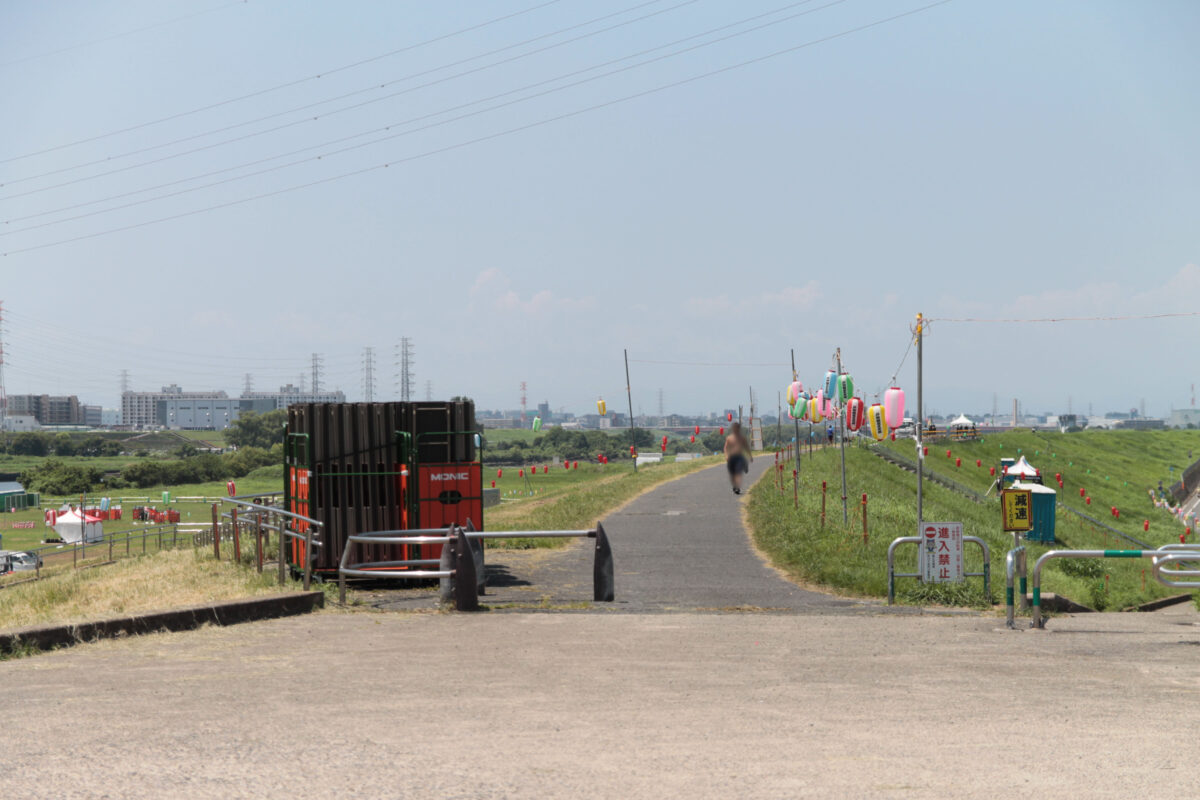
[[523, 402], [404, 360], [661, 412], [124, 381], [318, 364], [3, 391], [303, 383], [369, 374], [248, 384], [428, 390]]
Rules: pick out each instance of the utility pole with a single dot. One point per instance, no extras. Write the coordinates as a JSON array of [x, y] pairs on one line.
[[797, 421], [3, 391], [920, 420], [629, 395], [842, 440]]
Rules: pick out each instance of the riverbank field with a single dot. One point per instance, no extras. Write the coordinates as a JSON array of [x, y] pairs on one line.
[[834, 555]]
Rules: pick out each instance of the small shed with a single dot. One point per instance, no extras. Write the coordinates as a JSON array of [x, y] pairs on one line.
[[1045, 503], [13, 497]]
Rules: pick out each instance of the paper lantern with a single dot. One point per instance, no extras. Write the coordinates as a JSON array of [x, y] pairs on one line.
[[546, 470], [877, 422], [856, 411], [1087, 500], [697, 430], [1145, 524], [845, 388], [893, 406], [947, 454], [500, 473], [537, 423], [1058, 477], [693, 438], [520, 473], [794, 389], [958, 462], [1081, 492], [722, 430], [813, 412], [729, 416], [229, 487], [574, 465], [992, 471], [831, 384], [493, 484], [978, 463], [602, 407], [566, 465]]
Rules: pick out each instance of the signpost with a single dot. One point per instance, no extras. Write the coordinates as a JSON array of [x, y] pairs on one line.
[[1016, 512], [941, 552]]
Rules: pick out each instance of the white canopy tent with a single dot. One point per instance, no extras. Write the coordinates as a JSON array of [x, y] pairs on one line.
[[73, 528], [1021, 469], [961, 423]]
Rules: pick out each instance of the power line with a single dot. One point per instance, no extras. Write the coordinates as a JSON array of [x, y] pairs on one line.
[[385, 128], [705, 363], [495, 135], [373, 87], [281, 86], [1072, 319]]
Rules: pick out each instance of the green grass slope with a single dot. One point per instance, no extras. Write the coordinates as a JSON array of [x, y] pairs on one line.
[[835, 556]]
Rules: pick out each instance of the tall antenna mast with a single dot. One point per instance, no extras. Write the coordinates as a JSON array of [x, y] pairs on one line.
[[522, 402]]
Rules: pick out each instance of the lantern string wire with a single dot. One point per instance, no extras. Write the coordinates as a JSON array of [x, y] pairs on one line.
[[1070, 319], [899, 367]]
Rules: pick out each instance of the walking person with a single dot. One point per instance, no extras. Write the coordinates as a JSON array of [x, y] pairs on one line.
[[737, 451]]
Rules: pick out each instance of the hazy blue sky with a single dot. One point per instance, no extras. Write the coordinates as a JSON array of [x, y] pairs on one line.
[[972, 160]]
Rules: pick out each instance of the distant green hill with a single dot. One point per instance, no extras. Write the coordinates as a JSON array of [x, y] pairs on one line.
[[835, 556]]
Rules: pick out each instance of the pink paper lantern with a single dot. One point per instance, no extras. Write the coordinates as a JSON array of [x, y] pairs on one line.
[[893, 406]]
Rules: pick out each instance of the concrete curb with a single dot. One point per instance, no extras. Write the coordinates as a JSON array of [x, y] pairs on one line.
[[46, 637], [1162, 602]]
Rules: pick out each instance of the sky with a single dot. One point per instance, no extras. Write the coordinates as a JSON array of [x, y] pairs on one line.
[[208, 193]]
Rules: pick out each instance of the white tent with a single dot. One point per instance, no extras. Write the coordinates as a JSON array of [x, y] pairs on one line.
[[1021, 469], [72, 528], [961, 422]]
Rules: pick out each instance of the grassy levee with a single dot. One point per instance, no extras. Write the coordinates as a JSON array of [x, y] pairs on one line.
[[835, 557], [161, 580], [574, 499], [1114, 468]]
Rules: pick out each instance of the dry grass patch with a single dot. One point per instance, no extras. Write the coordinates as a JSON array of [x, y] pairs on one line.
[[170, 579]]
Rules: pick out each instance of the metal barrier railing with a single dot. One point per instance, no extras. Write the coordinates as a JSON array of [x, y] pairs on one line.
[[1160, 558], [284, 530], [461, 567], [1014, 563], [892, 574]]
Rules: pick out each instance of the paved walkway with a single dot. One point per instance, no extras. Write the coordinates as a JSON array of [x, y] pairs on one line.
[[680, 547]]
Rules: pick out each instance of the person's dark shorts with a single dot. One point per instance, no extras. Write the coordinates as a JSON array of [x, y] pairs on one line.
[[737, 464]]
